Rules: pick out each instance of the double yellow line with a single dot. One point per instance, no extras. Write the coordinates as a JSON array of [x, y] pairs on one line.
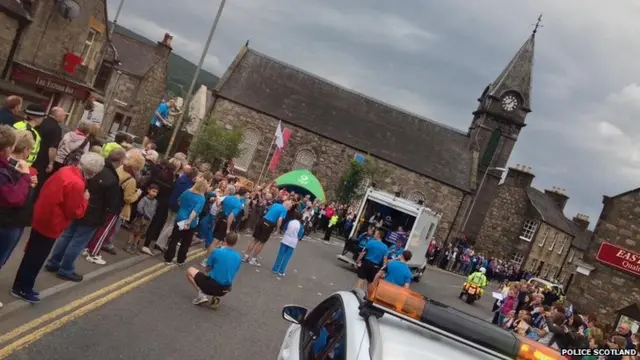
[[92, 301]]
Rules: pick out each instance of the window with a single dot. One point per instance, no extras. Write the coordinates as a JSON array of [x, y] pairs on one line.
[[553, 273], [120, 123], [102, 79], [90, 48], [492, 146], [544, 237], [250, 142], [553, 243], [304, 160], [572, 254], [416, 197], [528, 230], [564, 241], [562, 277], [517, 259], [534, 263], [324, 332], [545, 271]]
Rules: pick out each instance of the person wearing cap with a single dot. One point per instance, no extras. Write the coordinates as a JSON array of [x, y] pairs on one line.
[[35, 114], [51, 134]]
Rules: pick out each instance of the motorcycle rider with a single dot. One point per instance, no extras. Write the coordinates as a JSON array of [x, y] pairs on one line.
[[478, 279]]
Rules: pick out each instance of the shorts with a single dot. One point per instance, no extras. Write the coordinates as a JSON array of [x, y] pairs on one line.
[[155, 132], [209, 286], [263, 231], [139, 225], [220, 228], [368, 271]]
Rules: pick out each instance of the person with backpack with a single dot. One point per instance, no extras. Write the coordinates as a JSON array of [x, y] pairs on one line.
[[72, 146]]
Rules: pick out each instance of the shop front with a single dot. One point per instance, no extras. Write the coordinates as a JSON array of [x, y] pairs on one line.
[[57, 90]]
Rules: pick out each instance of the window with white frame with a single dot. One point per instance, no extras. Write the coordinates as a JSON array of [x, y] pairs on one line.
[[416, 196], [90, 47], [534, 263], [528, 230], [250, 141], [572, 254], [545, 271], [304, 160], [562, 277], [552, 274], [544, 236], [517, 259], [562, 244], [553, 242]]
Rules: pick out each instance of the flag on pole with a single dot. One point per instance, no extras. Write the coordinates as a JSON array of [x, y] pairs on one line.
[[281, 139]]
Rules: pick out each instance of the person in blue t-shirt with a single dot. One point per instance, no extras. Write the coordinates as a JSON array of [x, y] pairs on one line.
[[159, 122], [222, 267], [271, 221], [371, 259], [230, 208], [190, 205], [397, 271]]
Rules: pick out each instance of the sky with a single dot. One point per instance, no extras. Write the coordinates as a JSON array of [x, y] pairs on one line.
[[436, 58]]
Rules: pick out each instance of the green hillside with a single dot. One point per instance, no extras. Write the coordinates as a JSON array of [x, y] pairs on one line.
[[180, 69]]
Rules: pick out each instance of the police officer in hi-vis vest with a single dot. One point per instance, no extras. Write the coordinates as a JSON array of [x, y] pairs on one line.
[[35, 114]]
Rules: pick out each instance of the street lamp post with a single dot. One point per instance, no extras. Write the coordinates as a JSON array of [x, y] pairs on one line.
[[176, 126], [115, 18]]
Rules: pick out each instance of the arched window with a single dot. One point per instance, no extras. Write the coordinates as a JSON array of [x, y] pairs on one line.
[[304, 160], [492, 146], [250, 141], [416, 196]]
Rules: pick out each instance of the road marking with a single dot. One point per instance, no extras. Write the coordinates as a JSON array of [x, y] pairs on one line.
[[117, 289]]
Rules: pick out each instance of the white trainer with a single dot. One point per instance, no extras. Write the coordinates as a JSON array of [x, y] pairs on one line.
[[96, 260]]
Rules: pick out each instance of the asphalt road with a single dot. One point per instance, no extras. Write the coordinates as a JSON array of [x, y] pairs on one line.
[[156, 320]]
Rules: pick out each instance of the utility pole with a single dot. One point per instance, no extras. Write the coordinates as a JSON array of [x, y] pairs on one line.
[[187, 100], [115, 19]]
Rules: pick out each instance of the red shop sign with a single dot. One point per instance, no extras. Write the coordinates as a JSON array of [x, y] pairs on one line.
[[619, 258], [48, 82]]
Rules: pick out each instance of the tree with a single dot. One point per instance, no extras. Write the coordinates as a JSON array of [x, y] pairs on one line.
[[350, 185], [214, 143], [375, 172]]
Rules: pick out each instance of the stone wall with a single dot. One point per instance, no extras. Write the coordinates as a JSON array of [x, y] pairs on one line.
[[8, 29], [123, 88], [49, 37], [332, 159], [150, 92], [607, 289], [547, 263], [500, 233]]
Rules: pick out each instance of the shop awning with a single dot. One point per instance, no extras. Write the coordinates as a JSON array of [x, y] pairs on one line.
[[302, 180], [9, 88]]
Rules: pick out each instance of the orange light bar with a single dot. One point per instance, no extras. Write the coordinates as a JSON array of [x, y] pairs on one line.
[[398, 298], [533, 350]]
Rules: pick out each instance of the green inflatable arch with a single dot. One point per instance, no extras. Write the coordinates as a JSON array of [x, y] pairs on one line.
[[302, 181]]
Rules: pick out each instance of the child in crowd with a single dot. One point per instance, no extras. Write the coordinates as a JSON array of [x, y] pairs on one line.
[[146, 210], [222, 267], [293, 233], [397, 271]]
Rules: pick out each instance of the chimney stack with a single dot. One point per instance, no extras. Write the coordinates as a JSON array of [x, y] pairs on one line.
[[166, 41], [582, 221], [519, 176], [558, 195]]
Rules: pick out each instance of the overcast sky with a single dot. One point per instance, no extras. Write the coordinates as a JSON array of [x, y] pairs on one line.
[[435, 60]]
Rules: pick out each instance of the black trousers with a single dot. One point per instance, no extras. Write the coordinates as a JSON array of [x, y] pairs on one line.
[[184, 237], [38, 249]]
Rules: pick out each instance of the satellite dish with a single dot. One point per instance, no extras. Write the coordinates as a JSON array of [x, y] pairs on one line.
[[68, 9]]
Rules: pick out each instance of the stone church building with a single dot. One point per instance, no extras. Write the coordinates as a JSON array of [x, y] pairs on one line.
[[330, 125]]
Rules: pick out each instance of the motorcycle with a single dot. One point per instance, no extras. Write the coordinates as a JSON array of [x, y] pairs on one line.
[[471, 292]]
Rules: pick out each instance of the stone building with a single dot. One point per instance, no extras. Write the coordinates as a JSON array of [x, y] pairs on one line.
[[54, 49], [330, 125], [131, 83], [579, 245], [527, 226], [608, 278]]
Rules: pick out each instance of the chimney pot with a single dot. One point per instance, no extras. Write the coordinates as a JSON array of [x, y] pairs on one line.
[[167, 39]]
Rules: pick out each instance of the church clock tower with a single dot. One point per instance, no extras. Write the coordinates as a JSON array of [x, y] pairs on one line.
[[497, 122]]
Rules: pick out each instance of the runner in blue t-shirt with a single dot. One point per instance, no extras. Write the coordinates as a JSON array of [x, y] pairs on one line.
[[397, 271], [371, 259], [271, 221], [230, 208], [222, 267]]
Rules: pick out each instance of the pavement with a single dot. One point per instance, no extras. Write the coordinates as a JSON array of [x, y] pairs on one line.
[[145, 311]]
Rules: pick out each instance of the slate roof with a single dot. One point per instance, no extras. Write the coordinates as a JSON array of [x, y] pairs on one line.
[[549, 210], [582, 240], [317, 105], [15, 8], [518, 74], [136, 57]]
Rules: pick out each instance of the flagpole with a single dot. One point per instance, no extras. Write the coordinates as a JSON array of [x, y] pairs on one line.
[[266, 160]]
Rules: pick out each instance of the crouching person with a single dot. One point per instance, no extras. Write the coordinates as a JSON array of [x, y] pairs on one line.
[[222, 266]]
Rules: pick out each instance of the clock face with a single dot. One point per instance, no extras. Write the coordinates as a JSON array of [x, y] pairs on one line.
[[509, 102]]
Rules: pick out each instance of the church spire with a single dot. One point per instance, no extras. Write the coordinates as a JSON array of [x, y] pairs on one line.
[[518, 73]]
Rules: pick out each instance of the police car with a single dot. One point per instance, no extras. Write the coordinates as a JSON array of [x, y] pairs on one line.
[[394, 323]]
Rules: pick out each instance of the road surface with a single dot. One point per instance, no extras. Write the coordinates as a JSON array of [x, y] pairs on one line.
[[146, 313]]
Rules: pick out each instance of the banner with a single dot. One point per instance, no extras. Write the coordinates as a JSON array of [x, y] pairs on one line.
[[283, 140]]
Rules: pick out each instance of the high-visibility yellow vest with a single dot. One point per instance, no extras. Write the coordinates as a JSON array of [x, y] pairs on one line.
[[108, 148], [23, 125]]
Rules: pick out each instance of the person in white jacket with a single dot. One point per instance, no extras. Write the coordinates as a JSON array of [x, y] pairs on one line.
[[292, 234], [77, 139]]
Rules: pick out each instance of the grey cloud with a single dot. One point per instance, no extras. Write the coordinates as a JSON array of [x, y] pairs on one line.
[[435, 59]]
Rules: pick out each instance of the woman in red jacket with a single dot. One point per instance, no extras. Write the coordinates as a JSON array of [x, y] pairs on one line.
[[63, 198]]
